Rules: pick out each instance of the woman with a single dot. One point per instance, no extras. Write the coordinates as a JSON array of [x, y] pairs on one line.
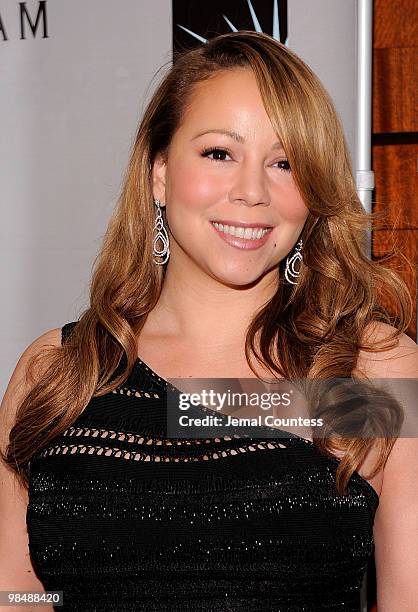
[[240, 133]]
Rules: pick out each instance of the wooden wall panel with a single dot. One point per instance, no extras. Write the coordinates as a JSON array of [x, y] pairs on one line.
[[396, 178], [395, 23], [395, 136], [406, 242], [395, 73]]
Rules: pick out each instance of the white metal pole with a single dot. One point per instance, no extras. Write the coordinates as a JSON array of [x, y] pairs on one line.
[[364, 172]]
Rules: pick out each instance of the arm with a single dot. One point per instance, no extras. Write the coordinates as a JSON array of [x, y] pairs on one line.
[[396, 531], [16, 570], [396, 520]]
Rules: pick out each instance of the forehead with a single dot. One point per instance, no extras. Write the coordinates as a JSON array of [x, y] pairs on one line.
[[229, 99]]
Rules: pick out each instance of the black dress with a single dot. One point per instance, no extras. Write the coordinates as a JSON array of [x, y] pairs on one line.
[[122, 518]]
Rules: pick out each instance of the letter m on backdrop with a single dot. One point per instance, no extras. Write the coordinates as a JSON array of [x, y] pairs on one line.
[[25, 17]]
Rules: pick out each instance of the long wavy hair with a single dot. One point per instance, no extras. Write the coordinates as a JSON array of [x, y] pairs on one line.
[[314, 329]]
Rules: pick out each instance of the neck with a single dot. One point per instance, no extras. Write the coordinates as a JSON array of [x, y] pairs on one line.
[[199, 310]]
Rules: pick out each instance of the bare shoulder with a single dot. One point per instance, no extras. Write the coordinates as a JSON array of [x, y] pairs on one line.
[[18, 384], [51, 337], [399, 361]]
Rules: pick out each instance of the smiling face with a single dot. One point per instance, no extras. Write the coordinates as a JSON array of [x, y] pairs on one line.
[[225, 165]]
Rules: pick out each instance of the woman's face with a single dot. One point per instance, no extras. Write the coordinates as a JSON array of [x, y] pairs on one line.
[[226, 165]]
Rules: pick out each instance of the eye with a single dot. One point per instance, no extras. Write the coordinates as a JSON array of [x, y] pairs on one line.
[[283, 163], [216, 152]]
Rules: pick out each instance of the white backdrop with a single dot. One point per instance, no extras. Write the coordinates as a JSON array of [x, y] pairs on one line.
[[69, 107]]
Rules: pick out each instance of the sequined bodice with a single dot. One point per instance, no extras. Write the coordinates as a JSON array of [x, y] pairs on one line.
[[120, 517]]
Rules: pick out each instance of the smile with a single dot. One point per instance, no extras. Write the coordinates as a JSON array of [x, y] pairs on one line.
[[250, 233], [246, 238]]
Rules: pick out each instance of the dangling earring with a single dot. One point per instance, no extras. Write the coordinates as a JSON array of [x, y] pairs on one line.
[[161, 234], [290, 270]]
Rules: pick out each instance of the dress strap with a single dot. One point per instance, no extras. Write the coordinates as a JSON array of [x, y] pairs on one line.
[[66, 331]]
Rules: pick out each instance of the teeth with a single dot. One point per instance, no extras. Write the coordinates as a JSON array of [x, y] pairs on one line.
[[249, 233]]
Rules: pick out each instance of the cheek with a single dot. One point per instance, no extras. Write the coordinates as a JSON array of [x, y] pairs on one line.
[[291, 206], [190, 185]]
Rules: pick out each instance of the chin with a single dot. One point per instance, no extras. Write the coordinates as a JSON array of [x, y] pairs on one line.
[[239, 278]]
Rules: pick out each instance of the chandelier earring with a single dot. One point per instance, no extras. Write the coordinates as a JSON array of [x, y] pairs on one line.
[[292, 269], [161, 252]]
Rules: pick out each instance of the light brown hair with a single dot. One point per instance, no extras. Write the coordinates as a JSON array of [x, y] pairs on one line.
[[314, 329]]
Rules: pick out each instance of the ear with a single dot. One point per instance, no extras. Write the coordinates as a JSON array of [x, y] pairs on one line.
[[158, 178]]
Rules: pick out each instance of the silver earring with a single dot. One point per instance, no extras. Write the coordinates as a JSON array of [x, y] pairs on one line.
[[290, 271], [160, 256]]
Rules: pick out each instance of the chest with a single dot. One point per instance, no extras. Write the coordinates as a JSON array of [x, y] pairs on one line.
[[181, 361], [177, 361]]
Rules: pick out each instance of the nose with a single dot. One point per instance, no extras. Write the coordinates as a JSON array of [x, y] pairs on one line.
[[250, 185]]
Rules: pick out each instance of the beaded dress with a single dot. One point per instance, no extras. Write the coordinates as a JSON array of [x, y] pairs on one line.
[[122, 518]]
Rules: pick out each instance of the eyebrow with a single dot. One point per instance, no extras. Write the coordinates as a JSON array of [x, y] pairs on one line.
[[234, 135]]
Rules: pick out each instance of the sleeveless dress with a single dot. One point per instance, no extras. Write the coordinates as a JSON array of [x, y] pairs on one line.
[[122, 518]]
